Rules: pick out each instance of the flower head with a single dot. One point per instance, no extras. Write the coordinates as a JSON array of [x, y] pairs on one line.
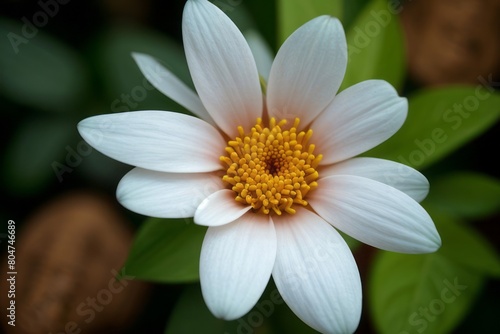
[[273, 174]]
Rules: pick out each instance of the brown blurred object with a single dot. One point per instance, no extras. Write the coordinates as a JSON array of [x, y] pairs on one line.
[[136, 10], [452, 41], [67, 258]]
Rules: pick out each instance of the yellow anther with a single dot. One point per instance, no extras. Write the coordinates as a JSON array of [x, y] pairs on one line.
[[272, 169]]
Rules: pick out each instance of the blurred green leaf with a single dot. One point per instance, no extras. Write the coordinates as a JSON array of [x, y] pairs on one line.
[[127, 89], [39, 71], [483, 317], [465, 194], [264, 13], [417, 293], [466, 247], [375, 47], [351, 242], [166, 250], [285, 321], [440, 121], [294, 13], [240, 15], [191, 315], [101, 169], [37, 152], [192, 306], [414, 293], [352, 8]]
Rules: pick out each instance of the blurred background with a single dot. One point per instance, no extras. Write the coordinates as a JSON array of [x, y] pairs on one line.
[[62, 61]]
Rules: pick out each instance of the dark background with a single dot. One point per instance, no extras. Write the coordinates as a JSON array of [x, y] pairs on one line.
[[79, 25]]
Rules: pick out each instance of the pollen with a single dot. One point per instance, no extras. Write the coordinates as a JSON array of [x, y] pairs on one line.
[[272, 168]]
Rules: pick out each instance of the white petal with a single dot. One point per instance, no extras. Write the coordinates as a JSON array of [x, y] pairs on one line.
[[219, 208], [376, 214], [157, 140], [261, 52], [394, 174], [316, 274], [167, 83], [166, 195], [358, 119], [236, 263], [222, 67], [308, 70]]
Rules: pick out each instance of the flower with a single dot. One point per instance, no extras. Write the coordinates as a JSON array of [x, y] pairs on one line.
[[277, 172]]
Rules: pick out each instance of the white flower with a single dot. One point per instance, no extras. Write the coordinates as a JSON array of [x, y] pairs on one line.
[[249, 168]]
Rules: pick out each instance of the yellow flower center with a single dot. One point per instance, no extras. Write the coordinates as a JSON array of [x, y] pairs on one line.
[[270, 168]]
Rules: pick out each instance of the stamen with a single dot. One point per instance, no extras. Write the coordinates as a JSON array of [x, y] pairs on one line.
[[272, 169]]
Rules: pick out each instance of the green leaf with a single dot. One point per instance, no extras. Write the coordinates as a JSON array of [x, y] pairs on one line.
[[465, 246], [439, 122], [237, 13], [413, 293], [352, 8], [36, 153], [294, 13], [264, 13], [166, 250], [375, 47], [127, 89], [465, 194], [191, 315], [285, 321], [417, 293], [350, 241], [191, 306], [39, 71]]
